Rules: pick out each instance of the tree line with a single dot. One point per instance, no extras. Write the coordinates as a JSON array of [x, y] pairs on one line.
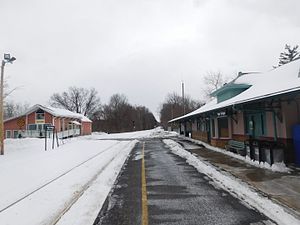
[[120, 116], [116, 116]]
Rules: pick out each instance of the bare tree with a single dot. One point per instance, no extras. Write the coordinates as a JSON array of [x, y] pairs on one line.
[[12, 109], [7, 90], [172, 107], [79, 100], [213, 81], [119, 116]]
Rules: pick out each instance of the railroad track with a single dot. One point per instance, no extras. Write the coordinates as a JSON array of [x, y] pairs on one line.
[[84, 188], [80, 192]]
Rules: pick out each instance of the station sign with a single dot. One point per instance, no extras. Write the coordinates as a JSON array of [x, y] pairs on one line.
[[222, 114]]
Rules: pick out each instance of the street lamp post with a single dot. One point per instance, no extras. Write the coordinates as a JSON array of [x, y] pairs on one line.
[[7, 59]]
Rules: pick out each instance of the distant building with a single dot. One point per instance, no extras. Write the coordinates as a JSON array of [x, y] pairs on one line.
[[254, 106], [34, 122]]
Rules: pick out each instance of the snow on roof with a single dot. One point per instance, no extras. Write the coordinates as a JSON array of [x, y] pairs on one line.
[[281, 80], [65, 113], [55, 112], [75, 122]]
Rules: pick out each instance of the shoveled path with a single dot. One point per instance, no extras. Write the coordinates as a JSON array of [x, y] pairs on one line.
[[176, 194], [284, 188]]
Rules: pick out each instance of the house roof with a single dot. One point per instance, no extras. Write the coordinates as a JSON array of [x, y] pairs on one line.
[[282, 80], [55, 112]]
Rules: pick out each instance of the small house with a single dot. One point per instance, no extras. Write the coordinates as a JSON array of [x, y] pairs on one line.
[[38, 119]]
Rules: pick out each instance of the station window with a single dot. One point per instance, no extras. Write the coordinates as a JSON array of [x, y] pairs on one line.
[[255, 124], [223, 127]]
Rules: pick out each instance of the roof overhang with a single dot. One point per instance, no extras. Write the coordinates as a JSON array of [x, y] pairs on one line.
[[75, 122], [222, 106]]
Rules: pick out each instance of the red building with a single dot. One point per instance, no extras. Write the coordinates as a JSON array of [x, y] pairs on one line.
[[33, 123]]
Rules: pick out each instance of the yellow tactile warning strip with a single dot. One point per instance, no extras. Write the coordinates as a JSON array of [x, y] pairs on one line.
[[144, 190]]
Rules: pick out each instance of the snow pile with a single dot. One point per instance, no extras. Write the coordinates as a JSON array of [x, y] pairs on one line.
[[153, 133], [159, 132], [99, 133], [238, 188], [276, 167]]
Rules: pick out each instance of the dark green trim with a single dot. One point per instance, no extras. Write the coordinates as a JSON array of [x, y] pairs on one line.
[[230, 86]]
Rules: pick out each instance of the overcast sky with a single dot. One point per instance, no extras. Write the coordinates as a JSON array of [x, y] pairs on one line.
[[137, 47]]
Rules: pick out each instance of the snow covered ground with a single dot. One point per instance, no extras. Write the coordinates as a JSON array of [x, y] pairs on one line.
[[65, 185], [154, 133], [38, 186], [236, 187]]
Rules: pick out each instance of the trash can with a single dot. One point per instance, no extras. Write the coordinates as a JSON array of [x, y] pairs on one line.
[[277, 153], [296, 138], [265, 152]]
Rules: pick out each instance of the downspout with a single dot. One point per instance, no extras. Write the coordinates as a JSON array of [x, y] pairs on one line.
[[274, 125], [26, 128], [179, 128], [298, 114]]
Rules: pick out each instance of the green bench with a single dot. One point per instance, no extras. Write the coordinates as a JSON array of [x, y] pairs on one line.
[[237, 147]]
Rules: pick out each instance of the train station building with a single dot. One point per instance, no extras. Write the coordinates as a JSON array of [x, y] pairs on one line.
[[254, 106]]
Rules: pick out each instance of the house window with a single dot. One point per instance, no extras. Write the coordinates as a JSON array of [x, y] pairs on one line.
[[40, 126], [16, 133], [32, 127], [8, 134], [40, 116], [223, 127], [46, 125]]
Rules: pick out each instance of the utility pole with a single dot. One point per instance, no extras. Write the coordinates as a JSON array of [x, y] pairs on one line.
[[1, 109], [183, 99], [7, 59]]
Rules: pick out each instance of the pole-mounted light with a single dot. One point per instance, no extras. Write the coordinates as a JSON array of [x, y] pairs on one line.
[[7, 59]]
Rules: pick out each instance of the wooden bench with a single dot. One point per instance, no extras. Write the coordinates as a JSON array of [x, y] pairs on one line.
[[237, 147]]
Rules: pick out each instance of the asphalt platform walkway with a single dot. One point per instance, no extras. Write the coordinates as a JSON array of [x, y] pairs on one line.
[[282, 188], [157, 187]]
